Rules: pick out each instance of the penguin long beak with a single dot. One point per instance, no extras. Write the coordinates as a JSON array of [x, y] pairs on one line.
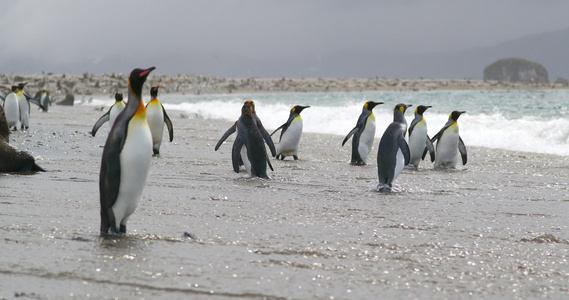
[[146, 72]]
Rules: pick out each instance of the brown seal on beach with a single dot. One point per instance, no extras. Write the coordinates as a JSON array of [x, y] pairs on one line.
[[12, 159]]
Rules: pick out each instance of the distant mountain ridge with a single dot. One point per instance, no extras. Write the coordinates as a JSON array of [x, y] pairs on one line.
[[549, 49]]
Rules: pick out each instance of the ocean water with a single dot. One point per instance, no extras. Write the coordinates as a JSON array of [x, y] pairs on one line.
[[531, 121]]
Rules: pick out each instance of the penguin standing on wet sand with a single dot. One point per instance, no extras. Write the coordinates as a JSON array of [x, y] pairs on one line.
[[12, 108], [250, 144], [110, 115], [363, 133], [290, 134], [419, 141], [157, 116], [126, 160], [393, 152], [266, 136], [449, 144], [24, 105]]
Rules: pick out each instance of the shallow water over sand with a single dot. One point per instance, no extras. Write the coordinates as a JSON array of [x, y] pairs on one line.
[[497, 228]]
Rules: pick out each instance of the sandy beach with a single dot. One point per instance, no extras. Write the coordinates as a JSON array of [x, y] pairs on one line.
[[496, 228]]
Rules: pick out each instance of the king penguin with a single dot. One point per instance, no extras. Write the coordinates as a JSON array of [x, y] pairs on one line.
[[290, 134], [110, 115], [449, 143], [419, 141], [393, 152], [12, 108], [363, 133], [24, 105], [266, 136], [157, 116], [126, 159], [42, 99], [250, 144]]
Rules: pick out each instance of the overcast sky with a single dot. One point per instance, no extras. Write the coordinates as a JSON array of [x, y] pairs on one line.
[[69, 33]]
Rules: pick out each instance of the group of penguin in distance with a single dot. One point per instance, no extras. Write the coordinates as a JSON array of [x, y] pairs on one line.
[[16, 105], [395, 151], [136, 134]]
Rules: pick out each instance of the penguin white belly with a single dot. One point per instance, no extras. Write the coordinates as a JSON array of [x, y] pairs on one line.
[[245, 159], [288, 145], [24, 110], [135, 162], [366, 138], [115, 110], [12, 110], [417, 142], [399, 164], [155, 117], [447, 149]]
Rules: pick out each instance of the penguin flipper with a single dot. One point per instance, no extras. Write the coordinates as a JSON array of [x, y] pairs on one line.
[[104, 118], [404, 149], [350, 135], [431, 148], [267, 138], [236, 152], [462, 150], [168, 124], [269, 162], [229, 132], [280, 127], [109, 182]]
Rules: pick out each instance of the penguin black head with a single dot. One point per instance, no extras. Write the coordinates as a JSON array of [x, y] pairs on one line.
[[298, 108], [455, 114], [136, 80], [251, 103], [22, 85], [248, 108], [154, 92], [402, 107], [370, 104], [118, 96], [421, 109], [14, 88]]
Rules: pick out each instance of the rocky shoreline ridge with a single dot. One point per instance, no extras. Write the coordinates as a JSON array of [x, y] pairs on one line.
[[88, 84]]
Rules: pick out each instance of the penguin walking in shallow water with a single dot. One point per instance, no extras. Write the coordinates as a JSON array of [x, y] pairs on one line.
[[393, 152], [419, 141], [290, 134], [250, 144], [12, 108], [11, 159], [110, 115], [363, 133], [449, 144], [157, 116], [126, 160], [266, 136]]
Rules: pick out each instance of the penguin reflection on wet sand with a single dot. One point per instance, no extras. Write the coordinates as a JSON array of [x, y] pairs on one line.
[[110, 115], [419, 141], [12, 159], [363, 133], [449, 144], [157, 116], [250, 145], [290, 134], [393, 152], [126, 160], [266, 137]]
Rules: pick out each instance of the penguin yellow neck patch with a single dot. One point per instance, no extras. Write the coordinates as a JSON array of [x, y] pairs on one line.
[[141, 111]]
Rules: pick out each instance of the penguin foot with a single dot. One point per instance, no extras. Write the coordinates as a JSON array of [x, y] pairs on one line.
[[357, 163], [384, 188], [295, 157]]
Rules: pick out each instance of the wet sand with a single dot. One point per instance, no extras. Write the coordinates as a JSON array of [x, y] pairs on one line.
[[497, 228]]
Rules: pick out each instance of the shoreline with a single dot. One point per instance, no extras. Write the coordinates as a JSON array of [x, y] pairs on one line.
[[87, 84]]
